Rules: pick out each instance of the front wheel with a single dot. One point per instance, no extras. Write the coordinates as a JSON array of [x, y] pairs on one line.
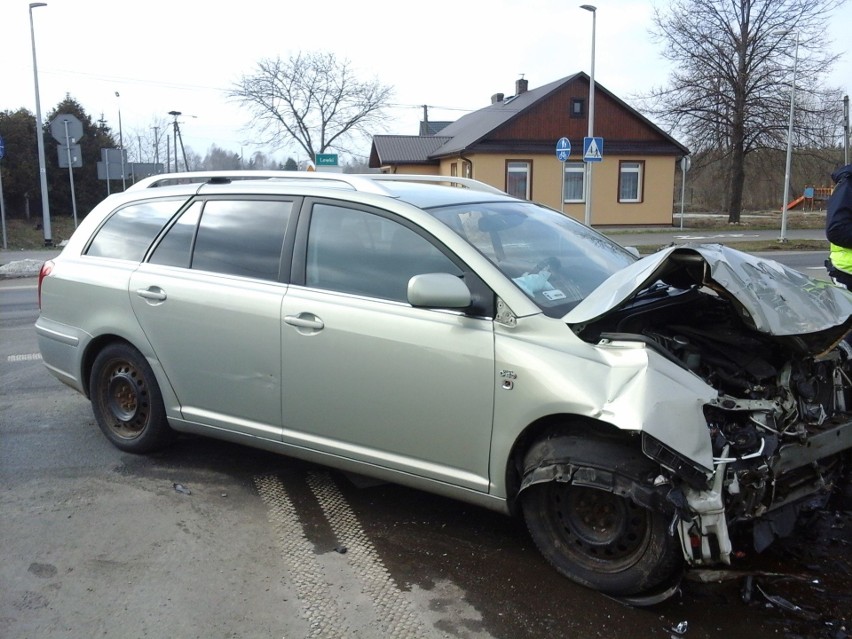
[[600, 539], [126, 400]]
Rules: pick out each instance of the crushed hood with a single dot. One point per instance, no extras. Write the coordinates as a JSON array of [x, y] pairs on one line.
[[770, 297]]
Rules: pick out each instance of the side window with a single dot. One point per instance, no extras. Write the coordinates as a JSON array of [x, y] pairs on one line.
[[575, 177], [176, 247], [128, 233], [518, 179], [353, 251], [630, 181], [241, 237]]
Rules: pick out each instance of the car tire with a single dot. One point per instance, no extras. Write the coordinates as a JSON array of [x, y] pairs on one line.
[[600, 539], [126, 400]]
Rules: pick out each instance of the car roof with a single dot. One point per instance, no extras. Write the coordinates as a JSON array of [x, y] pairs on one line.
[[426, 196]]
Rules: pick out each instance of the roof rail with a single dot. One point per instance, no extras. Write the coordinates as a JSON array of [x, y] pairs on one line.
[[365, 182], [197, 177], [473, 185]]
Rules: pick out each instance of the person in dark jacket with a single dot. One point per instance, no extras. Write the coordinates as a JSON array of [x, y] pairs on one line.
[[838, 227]]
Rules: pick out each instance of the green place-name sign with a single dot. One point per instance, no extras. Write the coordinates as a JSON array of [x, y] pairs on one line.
[[326, 159]]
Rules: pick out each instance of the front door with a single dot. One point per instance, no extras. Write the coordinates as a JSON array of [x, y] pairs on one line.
[[369, 377]]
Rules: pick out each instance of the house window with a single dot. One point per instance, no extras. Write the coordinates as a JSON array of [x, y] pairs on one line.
[[518, 179], [630, 181], [454, 169], [575, 179], [467, 170], [578, 107]]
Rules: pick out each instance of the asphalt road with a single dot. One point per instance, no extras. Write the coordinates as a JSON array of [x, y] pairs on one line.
[[208, 539]]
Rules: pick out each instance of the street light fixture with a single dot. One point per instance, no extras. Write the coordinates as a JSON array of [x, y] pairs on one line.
[[783, 237], [591, 132], [42, 165]]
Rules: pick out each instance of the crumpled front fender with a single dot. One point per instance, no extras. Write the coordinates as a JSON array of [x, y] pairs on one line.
[[607, 464]]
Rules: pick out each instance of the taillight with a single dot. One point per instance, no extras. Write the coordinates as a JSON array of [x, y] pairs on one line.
[[46, 268]]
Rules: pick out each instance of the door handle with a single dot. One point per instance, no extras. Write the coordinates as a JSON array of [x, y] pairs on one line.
[[153, 293], [305, 320]]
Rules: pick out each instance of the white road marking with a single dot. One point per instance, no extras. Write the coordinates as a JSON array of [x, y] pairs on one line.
[[711, 237], [28, 357], [29, 287]]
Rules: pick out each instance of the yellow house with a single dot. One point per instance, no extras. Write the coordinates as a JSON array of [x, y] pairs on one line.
[[511, 144]]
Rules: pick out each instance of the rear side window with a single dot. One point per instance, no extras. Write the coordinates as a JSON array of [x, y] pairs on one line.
[[234, 237], [128, 233]]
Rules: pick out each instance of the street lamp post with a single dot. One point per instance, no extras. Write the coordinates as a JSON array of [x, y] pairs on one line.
[[588, 217], [783, 237], [42, 165]]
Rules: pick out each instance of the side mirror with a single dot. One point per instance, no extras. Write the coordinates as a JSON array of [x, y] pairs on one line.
[[438, 290], [633, 251]]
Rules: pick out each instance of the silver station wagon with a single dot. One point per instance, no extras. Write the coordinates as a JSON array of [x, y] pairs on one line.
[[440, 334]]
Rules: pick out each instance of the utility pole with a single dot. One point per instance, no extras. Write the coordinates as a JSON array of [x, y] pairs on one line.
[[178, 136], [121, 145], [156, 145]]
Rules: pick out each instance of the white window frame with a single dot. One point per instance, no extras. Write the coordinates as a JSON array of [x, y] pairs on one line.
[[517, 167], [575, 168], [630, 167]]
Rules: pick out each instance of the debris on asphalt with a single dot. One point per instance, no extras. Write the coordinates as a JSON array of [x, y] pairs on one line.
[[182, 489], [681, 628], [780, 602], [341, 549], [748, 589]]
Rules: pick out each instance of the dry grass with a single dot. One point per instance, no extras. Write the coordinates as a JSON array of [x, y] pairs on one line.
[[759, 221], [28, 234]]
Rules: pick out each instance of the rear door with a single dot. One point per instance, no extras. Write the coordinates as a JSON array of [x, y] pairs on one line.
[[368, 377], [209, 301]]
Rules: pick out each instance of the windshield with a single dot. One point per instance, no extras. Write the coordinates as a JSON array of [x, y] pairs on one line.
[[555, 260]]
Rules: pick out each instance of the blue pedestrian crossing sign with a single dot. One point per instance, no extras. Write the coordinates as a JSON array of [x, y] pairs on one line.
[[563, 149], [592, 149]]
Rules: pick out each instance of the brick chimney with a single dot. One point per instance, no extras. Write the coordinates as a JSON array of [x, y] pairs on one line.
[[521, 86]]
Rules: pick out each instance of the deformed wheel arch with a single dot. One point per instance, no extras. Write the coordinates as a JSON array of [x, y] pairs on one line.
[[587, 453]]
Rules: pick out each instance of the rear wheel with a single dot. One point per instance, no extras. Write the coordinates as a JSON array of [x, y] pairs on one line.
[[599, 538], [126, 400]]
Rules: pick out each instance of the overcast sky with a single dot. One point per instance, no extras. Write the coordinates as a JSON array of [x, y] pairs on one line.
[[184, 55]]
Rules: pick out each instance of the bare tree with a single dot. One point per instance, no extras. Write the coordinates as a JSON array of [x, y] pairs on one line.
[[219, 159], [312, 99], [148, 142], [729, 94]]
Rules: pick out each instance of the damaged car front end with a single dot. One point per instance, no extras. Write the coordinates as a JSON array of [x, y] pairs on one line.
[[768, 344]]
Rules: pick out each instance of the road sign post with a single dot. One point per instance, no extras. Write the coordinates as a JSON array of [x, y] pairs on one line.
[[592, 152], [685, 163], [67, 130], [593, 149], [563, 152]]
